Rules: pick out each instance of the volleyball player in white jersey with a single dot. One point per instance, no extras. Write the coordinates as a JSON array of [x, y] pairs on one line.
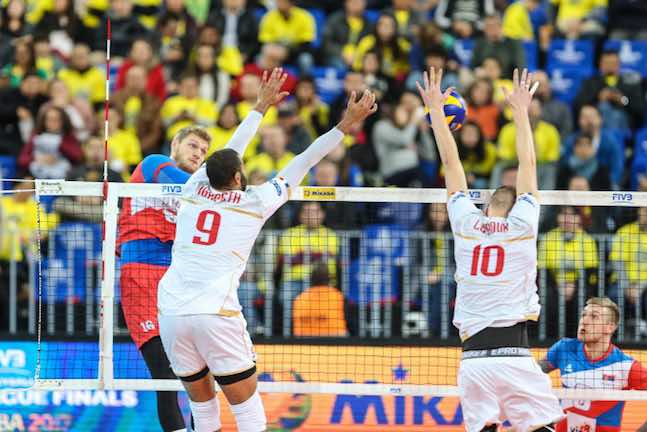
[[496, 266], [201, 326]]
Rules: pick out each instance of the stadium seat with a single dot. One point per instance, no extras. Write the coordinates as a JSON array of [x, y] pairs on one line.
[[329, 82], [571, 55], [565, 84], [7, 170], [320, 19], [639, 165], [73, 248], [633, 54], [371, 15], [377, 270], [531, 50], [463, 50]]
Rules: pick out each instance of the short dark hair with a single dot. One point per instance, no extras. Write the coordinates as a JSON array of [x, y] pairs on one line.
[[320, 276], [222, 165]]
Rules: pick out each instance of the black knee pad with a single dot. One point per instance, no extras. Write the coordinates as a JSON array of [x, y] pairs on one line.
[[233, 379], [490, 428]]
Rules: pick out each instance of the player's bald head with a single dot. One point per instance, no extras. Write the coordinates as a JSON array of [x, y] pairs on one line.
[[502, 201]]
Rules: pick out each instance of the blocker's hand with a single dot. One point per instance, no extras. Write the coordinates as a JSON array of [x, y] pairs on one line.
[[270, 91], [433, 97], [357, 110], [522, 92]]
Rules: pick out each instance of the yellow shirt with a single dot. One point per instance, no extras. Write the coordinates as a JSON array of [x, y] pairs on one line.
[[270, 118], [124, 146], [148, 21], [577, 9], [390, 66], [19, 226], [557, 254], [322, 114], [264, 163], [516, 22], [94, 10], [230, 60], [299, 243], [219, 138], [90, 85], [483, 167], [298, 28], [547, 142], [203, 111], [630, 248]]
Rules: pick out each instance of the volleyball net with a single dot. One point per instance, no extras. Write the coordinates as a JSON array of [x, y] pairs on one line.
[[347, 290]]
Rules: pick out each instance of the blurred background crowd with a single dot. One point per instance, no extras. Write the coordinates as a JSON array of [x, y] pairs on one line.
[[176, 63]]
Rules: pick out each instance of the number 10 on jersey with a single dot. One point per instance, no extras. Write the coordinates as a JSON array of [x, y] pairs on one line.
[[481, 260]]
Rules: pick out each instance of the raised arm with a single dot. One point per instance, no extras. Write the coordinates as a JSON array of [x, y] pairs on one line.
[[269, 94], [356, 112], [519, 100], [434, 100]]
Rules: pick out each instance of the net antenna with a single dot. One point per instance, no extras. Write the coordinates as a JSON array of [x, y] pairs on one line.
[[106, 303]]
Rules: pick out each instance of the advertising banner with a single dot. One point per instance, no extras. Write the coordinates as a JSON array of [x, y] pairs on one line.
[[92, 410]]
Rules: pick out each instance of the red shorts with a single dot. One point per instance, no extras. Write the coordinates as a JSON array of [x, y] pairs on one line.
[[139, 300]]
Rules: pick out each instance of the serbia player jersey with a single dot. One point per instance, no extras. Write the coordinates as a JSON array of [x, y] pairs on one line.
[[615, 370], [216, 231], [147, 225], [496, 264]]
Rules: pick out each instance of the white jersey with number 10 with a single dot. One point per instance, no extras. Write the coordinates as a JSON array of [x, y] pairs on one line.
[[496, 264], [215, 233]]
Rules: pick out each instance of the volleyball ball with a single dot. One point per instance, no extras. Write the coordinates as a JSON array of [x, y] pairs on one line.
[[455, 110]]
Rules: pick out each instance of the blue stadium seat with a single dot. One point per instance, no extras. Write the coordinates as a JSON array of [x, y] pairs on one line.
[[639, 165], [531, 49], [463, 50], [7, 170], [329, 82], [633, 54], [371, 15], [383, 249], [320, 19], [565, 83], [259, 13], [73, 246], [571, 55]]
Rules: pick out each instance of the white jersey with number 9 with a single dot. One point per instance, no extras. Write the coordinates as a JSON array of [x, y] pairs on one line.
[[496, 264]]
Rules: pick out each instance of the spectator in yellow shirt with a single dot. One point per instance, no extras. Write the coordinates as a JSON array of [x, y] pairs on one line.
[[477, 154], [630, 266], [343, 31], [187, 108], [275, 155], [570, 257], [293, 27], [577, 18], [82, 79], [123, 145], [516, 20], [248, 87], [547, 145], [314, 114], [225, 127], [392, 50], [300, 248]]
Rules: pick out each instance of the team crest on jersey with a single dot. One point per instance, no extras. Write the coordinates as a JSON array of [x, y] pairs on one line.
[[527, 199], [279, 192]]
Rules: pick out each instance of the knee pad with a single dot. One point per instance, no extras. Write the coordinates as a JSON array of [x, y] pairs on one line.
[[490, 428], [206, 415], [250, 415], [547, 428]]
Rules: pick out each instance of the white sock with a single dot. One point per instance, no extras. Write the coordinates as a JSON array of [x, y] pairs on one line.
[[250, 415], [206, 415], [181, 430]]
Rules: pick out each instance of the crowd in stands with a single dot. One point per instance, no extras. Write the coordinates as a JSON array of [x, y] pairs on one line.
[[181, 62]]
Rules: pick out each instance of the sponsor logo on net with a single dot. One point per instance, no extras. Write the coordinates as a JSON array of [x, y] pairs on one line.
[[14, 371], [622, 197], [319, 193]]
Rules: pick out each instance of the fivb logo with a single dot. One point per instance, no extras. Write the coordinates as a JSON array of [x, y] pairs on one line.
[[171, 189], [622, 197], [12, 359]]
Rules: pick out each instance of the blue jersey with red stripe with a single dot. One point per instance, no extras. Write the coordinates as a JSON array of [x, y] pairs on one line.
[[614, 370], [147, 225]]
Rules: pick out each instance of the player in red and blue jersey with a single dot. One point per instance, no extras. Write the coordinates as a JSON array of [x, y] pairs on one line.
[[592, 362], [146, 235]]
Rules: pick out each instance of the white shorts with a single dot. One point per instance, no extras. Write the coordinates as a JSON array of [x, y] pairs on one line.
[[193, 342], [494, 389]]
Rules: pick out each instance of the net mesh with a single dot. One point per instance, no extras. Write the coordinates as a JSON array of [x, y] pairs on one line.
[[344, 286]]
